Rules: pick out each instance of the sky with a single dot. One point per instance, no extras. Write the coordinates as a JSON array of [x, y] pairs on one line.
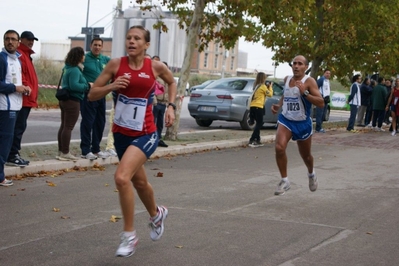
[[52, 20]]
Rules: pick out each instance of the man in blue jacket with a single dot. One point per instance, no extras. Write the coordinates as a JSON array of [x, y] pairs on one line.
[[324, 87], [93, 113], [11, 90]]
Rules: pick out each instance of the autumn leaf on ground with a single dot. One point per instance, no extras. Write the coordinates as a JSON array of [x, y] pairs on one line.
[[159, 174], [21, 189], [65, 217], [107, 185], [154, 168], [114, 218], [56, 210], [178, 246], [51, 184], [116, 190]]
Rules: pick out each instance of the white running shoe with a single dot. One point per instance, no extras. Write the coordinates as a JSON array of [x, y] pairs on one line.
[[112, 152], [102, 154], [89, 156], [67, 157], [282, 187], [313, 183], [6, 183], [157, 225], [127, 247], [393, 133]]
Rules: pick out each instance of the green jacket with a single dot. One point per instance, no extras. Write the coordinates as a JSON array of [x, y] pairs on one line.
[[74, 81], [93, 66], [378, 97]]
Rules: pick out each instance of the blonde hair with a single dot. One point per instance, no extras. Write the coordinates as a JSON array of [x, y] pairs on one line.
[[260, 79]]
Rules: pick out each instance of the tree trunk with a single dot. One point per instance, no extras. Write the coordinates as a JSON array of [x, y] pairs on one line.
[[171, 132]]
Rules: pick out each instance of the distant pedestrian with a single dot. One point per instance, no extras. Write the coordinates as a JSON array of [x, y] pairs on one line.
[[388, 86], [393, 106], [379, 99], [11, 90], [73, 81], [365, 93], [135, 134], [354, 102], [159, 108], [294, 122], [29, 79], [324, 87], [93, 112], [257, 106]]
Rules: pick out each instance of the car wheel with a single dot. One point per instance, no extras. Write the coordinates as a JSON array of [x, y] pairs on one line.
[[203, 122], [327, 115], [245, 122]]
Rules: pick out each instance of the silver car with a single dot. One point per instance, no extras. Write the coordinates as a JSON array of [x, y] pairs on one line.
[[226, 99]]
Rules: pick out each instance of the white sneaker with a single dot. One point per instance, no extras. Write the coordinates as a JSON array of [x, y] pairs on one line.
[[282, 187], [313, 183], [157, 225], [380, 129], [102, 154], [112, 152], [6, 183], [393, 133], [127, 247], [89, 156], [67, 157]]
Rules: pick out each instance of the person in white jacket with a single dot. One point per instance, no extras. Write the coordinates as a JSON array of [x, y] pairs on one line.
[[11, 90]]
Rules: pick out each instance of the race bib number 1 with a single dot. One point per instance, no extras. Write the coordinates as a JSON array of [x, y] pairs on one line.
[[130, 112]]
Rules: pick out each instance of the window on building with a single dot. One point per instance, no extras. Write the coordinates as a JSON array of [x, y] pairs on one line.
[[216, 61], [206, 60], [232, 63]]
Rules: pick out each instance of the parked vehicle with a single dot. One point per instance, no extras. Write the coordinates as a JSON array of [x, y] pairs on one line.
[[226, 99], [200, 86]]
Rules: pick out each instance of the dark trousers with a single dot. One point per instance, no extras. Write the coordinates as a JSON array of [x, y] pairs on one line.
[[69, 117], [352, 117], [320, 113], [92, 125], [369, 112], [159, 116], [19, 129], [378, 115], [7, 124], [257, 114]]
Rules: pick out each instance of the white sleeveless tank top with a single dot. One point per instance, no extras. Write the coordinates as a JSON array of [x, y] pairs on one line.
[[293, 106]]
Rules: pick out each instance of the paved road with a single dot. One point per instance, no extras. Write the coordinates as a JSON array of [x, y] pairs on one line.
[[222, 210], [43, 125]]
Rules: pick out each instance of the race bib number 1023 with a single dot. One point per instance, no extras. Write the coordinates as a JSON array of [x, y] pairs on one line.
[[130, 112]]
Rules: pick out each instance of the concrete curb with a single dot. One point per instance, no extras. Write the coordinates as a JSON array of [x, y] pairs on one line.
[[54, 165]]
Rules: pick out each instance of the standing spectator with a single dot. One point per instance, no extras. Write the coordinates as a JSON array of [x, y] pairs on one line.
[[393, 105], [324, 87], [365, 93], [387, 115], [93, 113], [73, 81], [29, 79], [110, 148], [257, 106], [354, 101], [133, 78], [160, 107], [11, 90], [379, 99], [300, 92], [369, 111]]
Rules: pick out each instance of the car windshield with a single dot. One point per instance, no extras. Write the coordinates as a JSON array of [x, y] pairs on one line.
[[228, 84]]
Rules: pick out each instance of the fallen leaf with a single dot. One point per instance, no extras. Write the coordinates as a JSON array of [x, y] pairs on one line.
[[369, 233], [13, 195], [178, 246], [106, 185], [56, 210], [21, 189], [159, 174], [114, 218], [51, 184], [65, 217]]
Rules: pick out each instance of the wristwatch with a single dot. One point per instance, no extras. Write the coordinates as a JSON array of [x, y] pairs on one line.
[[173, 105], [305, 93]]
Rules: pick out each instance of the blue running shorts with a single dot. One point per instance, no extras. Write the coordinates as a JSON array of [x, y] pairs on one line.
[[301, 130], [146, 143]]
